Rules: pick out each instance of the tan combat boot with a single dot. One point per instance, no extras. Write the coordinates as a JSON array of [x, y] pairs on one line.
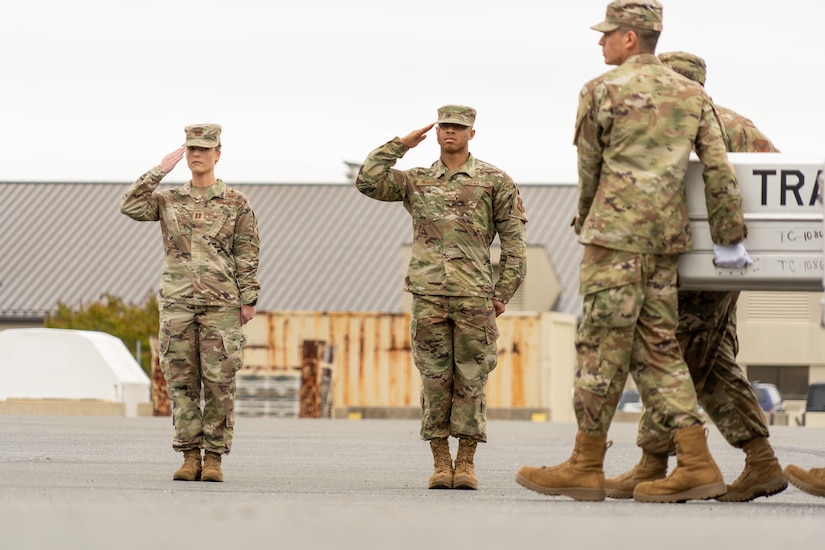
[[762, 476], [581, 477], [464, 476], [191, 469], [650, 468], [211, 467], [696, 476], [811, 481], [442, 477]]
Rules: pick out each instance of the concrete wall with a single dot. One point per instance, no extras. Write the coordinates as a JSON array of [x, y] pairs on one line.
[[62, 407]]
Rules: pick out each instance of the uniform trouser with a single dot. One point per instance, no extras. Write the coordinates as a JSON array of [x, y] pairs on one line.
[[201, 347], [629, 327], [707, 337], [454, 348]]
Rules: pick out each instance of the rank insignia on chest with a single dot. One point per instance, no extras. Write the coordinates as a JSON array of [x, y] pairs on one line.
[[198, 216]]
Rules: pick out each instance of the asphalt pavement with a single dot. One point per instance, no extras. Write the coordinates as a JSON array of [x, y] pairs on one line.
[[104, 482]]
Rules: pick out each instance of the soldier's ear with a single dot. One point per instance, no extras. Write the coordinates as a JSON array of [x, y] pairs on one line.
[[631, 38]]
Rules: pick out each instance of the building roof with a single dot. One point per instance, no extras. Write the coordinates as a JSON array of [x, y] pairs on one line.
[[323, 247]]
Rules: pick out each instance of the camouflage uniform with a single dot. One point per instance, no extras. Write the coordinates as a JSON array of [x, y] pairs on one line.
[[811, 481], [211, 245], [635, 129], [707, 319], [453, 329]]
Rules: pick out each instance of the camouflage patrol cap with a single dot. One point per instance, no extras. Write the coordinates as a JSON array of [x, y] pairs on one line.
[[456, 114], [636, 14], [203, 135], [686, 64]]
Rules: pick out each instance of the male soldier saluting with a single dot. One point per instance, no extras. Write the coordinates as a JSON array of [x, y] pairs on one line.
[[635, 130], [707, 337], [457, 206]]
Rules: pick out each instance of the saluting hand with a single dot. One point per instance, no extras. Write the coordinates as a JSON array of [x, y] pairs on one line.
[[417, 136], [171, 160]]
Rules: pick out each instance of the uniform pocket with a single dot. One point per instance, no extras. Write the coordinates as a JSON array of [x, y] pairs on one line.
[[603, 268], [616, 307], [491, 329], [221, 229], [233, 340], [427, 202], [216, 219], [164, 337], [610, 283]]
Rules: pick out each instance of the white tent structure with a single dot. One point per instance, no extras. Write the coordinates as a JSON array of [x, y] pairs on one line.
[[43, 363]]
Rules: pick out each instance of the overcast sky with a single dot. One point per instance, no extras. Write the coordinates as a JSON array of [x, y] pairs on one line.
[[99, 90]]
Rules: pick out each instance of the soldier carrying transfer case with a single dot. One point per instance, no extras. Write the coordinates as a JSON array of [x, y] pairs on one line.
[[707, 337], [635, 129], [208, 291], [811, 481], [457, 206]]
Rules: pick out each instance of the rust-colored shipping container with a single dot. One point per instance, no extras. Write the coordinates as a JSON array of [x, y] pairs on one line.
[[373, 371]]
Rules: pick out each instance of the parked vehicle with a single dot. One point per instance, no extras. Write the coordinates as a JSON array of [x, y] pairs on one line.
[[630, 402], [816, 398], [769, 397]]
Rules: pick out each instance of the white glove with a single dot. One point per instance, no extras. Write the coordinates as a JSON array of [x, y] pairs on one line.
[[731, 256]]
